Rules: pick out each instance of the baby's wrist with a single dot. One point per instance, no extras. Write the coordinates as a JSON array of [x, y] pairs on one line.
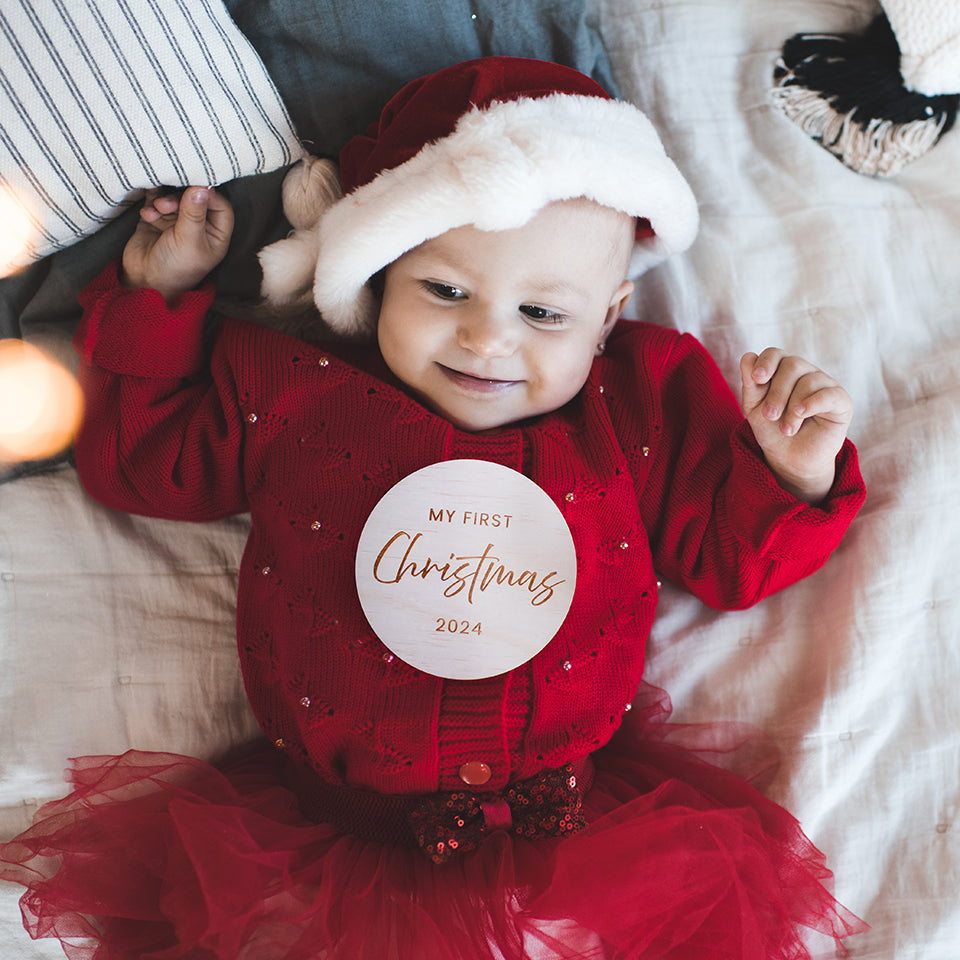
[[168, 291], [808, 488]]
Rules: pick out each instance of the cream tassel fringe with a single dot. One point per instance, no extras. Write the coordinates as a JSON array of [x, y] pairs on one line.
[[882, 148]]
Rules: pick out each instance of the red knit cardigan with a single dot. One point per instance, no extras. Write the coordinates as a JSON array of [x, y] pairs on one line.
[[652, 465]]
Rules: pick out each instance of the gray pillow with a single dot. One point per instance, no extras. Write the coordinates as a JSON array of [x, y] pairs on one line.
[[336, 63]]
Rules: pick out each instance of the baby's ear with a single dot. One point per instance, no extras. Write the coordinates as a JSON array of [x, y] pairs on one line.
[[618, 303]]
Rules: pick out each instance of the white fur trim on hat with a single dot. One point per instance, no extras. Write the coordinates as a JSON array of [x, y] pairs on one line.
[[496, 170]]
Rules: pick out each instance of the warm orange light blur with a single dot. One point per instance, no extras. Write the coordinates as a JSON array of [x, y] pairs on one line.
[[15, 233], [40, 404]]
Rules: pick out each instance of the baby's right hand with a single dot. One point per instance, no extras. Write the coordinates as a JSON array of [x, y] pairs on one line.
[[178, 241]]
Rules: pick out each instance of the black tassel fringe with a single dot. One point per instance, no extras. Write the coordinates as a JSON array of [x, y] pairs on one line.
[[846, 92]]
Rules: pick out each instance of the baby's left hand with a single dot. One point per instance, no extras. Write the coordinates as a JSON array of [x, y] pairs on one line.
[[799, 416]]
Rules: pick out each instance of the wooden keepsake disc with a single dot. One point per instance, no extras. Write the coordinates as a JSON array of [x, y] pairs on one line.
[[466, 569]]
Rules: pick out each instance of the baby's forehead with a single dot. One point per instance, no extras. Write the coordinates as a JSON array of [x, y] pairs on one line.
[[587, 208], [581, 213], [586, 221], [568, 249], [587, 213]]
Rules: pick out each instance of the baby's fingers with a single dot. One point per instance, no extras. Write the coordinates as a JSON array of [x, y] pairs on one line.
[[160, 209], [819, 396], [219, 216], [765, 365], [792, 381], [755, 375], [752, 392]]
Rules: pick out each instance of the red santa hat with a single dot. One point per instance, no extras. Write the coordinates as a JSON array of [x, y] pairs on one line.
[[489, 142]]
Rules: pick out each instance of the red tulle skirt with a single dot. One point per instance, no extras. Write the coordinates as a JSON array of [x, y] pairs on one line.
[[161, 857]]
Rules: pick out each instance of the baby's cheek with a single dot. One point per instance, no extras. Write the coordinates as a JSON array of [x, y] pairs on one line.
[[571, 371]]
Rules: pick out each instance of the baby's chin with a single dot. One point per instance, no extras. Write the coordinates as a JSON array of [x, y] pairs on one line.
[[470, 420], [472, 423], [480, 421]]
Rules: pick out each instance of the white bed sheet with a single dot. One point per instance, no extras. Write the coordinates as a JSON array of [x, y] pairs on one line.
[[118, 631]]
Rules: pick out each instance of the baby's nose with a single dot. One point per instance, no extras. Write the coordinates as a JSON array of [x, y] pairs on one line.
[[488, 335]]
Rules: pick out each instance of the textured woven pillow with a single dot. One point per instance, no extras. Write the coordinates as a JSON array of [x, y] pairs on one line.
[[104, 98]]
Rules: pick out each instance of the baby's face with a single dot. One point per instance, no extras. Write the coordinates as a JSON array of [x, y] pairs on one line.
[[488, 328]]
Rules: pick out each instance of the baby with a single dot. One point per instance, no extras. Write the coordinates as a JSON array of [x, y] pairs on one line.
[[477, 266]]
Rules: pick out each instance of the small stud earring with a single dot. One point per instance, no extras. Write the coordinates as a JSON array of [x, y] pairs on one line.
[[601, 346]]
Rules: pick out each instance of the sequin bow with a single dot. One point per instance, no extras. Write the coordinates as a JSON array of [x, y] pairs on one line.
[[547, 805]]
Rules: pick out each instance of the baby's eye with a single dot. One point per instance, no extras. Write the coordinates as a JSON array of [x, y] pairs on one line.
[[541, 314], [445, 291]]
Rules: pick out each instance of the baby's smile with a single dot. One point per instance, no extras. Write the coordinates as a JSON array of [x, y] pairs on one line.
[[474, 383]]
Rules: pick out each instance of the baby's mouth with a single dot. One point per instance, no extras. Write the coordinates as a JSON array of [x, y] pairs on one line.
[[474, 383]]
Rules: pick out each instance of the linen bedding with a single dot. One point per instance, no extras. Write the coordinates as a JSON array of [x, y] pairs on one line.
[[117, 631]]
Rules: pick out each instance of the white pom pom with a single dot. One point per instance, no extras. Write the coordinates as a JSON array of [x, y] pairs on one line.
[[288, 267], [309, 188]]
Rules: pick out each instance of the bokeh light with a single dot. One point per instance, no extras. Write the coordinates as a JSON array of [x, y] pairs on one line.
[[16, 231], [40, 404]]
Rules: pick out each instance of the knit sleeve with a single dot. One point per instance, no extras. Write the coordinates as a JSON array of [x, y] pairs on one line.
[[719, 523], [161, 433]]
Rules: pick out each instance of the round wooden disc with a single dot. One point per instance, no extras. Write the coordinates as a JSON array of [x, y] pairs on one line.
[[466, 569]]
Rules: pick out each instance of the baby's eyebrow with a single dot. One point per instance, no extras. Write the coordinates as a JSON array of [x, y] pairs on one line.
[[558, 289], [436, 256], [554, 288]]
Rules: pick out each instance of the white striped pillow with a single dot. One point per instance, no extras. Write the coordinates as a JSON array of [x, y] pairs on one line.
[[100, 99]]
